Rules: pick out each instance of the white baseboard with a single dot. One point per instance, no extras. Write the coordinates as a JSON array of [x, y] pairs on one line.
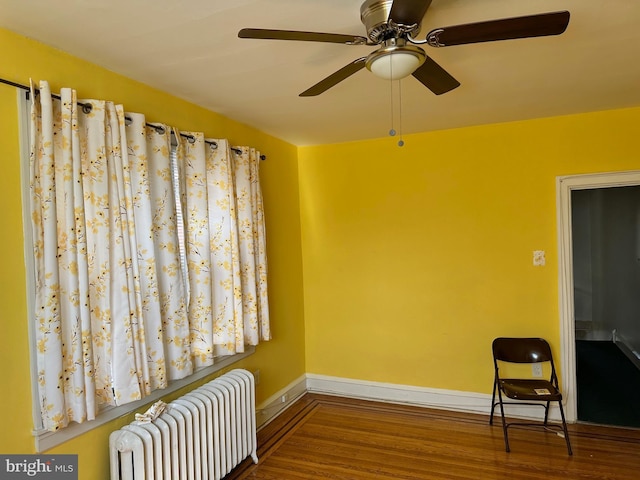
[[280, 401], [452, 400]]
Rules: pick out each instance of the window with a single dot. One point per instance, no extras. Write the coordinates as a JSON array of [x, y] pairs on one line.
[[147, 258]]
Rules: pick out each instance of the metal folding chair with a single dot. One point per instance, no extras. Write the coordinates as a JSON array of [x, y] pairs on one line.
[[528, 390]]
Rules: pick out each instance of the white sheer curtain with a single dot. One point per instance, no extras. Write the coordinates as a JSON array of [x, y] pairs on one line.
[[114, 317]]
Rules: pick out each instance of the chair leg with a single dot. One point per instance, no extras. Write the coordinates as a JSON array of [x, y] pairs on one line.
[[504, 423], [546, 413], [564, 427], [493, 402]]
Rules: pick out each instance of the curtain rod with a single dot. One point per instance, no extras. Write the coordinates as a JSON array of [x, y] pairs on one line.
[[86, 108]]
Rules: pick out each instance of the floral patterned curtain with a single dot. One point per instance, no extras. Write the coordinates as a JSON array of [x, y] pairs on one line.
[[165, 307], [225, 246], [115, 318], [253, 257]]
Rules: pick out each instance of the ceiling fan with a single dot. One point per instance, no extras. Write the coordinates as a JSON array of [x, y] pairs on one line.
[[393, 26]]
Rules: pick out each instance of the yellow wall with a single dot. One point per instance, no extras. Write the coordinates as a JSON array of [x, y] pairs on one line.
[[280, 361], [415, 258]]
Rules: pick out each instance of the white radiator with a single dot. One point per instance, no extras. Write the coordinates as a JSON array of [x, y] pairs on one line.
[[202, 435]]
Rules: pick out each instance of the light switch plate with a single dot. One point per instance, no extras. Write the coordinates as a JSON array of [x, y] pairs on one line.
[[538, 258]]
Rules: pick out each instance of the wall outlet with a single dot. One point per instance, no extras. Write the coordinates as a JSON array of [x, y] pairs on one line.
[[284, 398], [536, 369]]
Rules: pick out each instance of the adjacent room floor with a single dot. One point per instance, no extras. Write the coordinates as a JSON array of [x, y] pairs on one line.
[[608, 385]]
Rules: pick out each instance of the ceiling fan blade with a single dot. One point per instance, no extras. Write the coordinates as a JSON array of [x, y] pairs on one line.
[[408, 12], [435, 78], [335, 78], [540, 25], [266, 34]]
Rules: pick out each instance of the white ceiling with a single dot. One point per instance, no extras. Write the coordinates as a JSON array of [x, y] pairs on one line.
[[190, 48]]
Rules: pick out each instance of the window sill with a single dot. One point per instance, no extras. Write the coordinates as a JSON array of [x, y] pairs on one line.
[[46, 440]]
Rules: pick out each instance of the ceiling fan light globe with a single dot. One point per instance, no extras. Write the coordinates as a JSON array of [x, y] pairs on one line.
[[394, 61], [395, 66]]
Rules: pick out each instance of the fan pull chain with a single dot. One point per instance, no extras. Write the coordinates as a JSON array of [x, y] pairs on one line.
[[401, 141], [392, 132]]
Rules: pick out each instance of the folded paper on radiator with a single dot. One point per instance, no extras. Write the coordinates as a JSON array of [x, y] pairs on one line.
[[154, 412]]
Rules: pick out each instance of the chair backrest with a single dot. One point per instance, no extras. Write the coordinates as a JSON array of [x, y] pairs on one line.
[[521, 350]]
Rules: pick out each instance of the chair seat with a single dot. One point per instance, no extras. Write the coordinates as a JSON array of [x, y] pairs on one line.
[[530, 389]]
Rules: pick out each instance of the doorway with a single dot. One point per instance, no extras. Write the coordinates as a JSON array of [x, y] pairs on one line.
[[605, 225], [565, 187]]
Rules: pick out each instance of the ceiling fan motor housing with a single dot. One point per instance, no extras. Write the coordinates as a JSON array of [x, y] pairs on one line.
[[374, 14]]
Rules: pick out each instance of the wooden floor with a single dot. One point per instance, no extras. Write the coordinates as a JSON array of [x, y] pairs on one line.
[[323, 437]]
